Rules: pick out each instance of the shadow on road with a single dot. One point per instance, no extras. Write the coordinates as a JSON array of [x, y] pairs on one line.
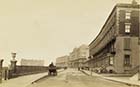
[[44, 77]]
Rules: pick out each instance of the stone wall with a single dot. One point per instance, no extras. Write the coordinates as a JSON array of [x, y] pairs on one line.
[[24, 70]]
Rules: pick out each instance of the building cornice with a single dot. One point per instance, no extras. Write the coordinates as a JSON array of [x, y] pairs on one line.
[[115, 7]]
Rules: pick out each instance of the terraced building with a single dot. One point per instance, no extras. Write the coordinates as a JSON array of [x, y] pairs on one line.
[[116, 48]]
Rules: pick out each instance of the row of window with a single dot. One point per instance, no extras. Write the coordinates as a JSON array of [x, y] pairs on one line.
[[127, 60], [127, 25], [128, 15], [127, 46]]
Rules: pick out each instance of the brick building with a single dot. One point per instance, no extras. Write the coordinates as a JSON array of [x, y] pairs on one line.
[[116, 46]]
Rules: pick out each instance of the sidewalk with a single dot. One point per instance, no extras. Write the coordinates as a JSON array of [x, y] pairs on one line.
[[22, 81], [124, 80]]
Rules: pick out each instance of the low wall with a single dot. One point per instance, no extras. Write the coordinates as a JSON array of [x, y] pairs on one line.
[[23, 70]]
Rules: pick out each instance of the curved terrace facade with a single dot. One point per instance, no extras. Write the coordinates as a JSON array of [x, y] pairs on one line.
[[116, 46]]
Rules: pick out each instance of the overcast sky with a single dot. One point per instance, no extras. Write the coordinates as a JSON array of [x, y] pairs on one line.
[[46, 29]]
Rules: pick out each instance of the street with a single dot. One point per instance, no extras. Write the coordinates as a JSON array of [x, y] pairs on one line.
[[75, 78]]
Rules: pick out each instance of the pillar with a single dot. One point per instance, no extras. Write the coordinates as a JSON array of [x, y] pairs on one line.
[[1, 61], [13, 63]]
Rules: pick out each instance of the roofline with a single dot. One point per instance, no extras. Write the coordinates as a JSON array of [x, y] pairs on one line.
[[117, 5], [104, 24]]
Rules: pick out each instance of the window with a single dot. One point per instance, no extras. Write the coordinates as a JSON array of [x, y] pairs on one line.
[[127, 15], [127, 27], [111, 62], [127, 43], [127, 60]]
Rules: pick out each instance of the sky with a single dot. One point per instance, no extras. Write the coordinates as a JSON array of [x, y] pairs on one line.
[[47, 29]]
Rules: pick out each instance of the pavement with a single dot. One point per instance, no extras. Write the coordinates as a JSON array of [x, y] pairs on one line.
[[65, 78], [75, 78], [24, 81], [124, 80]]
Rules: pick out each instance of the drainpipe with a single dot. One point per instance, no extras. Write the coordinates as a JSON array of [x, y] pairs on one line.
[[139, 51], [139, 58], [139, 48]]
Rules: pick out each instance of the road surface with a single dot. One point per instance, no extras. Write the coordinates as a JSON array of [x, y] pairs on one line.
[[75, 78]]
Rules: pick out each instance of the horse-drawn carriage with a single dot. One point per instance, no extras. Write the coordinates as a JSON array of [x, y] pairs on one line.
[[52, 70]]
